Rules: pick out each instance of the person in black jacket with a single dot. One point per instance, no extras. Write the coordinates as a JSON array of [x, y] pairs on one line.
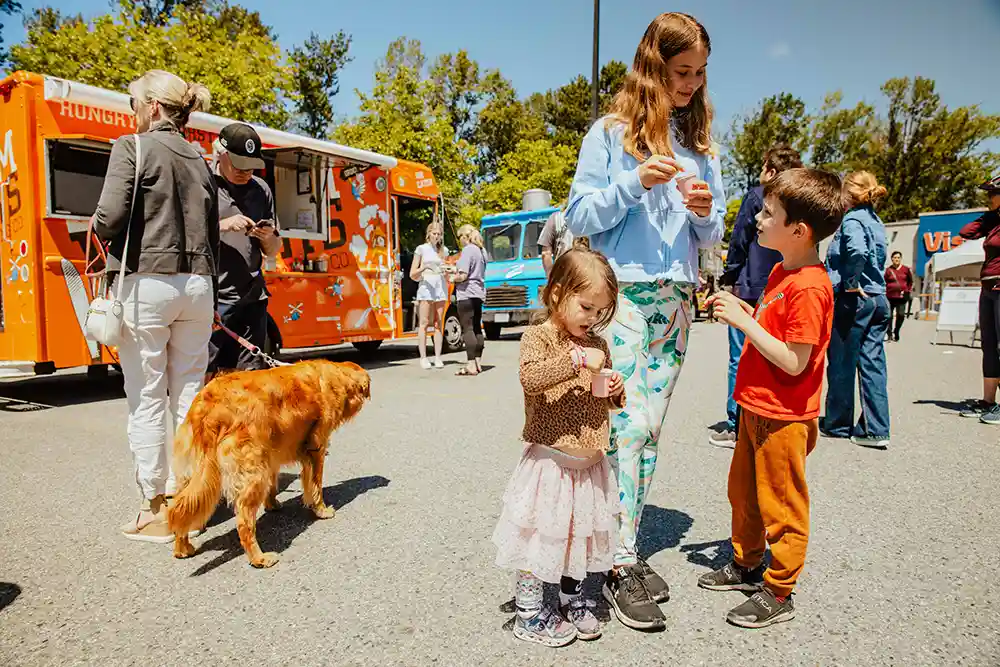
[[169, 241], [748, 266]]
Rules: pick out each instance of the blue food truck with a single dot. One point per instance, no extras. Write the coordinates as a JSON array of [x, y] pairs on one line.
[[515, 276]]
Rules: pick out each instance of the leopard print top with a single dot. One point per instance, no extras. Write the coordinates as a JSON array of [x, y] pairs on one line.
[[559, 409]]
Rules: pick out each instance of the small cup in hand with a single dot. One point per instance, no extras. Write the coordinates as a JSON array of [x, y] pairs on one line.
[[600, 383]]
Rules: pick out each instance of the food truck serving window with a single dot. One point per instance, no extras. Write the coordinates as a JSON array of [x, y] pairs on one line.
[[304, 191], [75, 171]]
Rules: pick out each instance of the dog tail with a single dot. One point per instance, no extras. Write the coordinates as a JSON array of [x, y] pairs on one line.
[[196, 501]]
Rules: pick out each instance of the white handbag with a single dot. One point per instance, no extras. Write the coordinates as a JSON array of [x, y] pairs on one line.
[[106, 316]]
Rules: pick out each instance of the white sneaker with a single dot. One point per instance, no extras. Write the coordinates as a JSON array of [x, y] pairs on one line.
[[425, 364], [438, 364]]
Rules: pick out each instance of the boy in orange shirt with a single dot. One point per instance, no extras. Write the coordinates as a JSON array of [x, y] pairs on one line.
[[778, 389]]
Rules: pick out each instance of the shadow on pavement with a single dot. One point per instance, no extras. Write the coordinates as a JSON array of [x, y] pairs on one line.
[[277, 530], [712, 555], [8, 593], [57, 391], [951, 406], [661, 529]]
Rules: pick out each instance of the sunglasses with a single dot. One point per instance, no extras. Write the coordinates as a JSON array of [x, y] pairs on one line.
[[132, 103]]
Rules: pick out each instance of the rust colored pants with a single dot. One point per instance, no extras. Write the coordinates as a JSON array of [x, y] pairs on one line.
[[768, 493]]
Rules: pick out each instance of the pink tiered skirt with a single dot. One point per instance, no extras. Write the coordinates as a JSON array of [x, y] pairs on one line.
[[558, 519]]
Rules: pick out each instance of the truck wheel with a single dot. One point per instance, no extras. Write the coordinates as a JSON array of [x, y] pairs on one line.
[[492, 330], [97, 371], [367, 347], [453, 339]]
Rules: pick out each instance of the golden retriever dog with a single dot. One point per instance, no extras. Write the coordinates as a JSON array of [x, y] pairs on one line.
[[242, 427]]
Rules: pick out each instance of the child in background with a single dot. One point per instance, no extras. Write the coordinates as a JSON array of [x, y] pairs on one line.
[[559, 518], [778, 387]]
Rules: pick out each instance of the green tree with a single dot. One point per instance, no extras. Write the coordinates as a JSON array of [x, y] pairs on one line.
[[927, 156], [7, 7], [779, 118], [537, 163], [230, 53], [567, 110], [840, 138], [458, 89], [502, 124], [732, 210], [315, 71], [159, 12]]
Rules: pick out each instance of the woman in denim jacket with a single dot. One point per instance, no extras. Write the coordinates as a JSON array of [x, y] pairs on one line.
[[648, 192], [856, 263]]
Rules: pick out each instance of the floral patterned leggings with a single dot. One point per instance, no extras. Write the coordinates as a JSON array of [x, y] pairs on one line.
[[648, 340]]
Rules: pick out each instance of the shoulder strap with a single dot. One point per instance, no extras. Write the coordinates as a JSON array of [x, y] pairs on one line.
[[128, 224]]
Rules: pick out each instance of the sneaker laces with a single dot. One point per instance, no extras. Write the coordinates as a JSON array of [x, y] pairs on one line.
[[636, 589]]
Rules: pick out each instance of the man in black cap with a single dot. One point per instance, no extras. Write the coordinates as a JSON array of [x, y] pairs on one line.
[[249, 232]]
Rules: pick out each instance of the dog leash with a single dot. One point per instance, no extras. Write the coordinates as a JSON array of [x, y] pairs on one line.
[[250, 347]]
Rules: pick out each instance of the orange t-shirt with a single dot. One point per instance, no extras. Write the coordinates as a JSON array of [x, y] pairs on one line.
[[796, 307]]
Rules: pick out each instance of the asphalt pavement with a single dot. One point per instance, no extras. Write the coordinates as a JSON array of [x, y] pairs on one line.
[[901, 570]]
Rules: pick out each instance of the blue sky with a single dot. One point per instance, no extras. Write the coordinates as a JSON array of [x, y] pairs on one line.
[[806, 47]]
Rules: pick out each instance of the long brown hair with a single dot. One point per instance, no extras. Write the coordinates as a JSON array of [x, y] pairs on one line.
[[575, 272], [644, 105]]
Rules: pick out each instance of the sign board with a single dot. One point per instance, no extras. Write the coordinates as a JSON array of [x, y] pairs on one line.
[[938, 232], [959, 310]]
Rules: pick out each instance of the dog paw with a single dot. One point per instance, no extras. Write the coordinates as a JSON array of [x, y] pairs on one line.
[[324, 512], [272, 505], [183, 549], [266, 560]]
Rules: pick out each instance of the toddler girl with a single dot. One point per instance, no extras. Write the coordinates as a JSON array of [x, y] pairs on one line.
[[559, 518]]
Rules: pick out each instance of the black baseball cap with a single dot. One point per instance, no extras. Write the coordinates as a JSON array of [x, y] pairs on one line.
[[243, 145]]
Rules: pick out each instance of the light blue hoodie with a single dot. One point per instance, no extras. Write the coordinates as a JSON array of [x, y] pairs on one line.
[[647, 235]]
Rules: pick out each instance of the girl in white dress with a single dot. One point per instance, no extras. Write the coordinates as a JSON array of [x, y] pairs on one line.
[[428, 269]]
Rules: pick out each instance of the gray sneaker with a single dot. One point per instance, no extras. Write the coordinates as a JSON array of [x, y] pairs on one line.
[[547, 627], [580, 612], [976, 409], [871, 441], [724, 438], [627, 594], [761, 610], [991, 416], [732, 577]]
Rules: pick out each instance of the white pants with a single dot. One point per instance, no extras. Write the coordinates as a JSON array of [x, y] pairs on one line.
[[169, 321]]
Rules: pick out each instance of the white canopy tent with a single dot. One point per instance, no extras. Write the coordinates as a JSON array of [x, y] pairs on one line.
[[961, 262]]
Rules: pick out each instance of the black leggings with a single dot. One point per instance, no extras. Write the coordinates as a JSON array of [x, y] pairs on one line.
[[470, 314], [989, 323], [897, 313]]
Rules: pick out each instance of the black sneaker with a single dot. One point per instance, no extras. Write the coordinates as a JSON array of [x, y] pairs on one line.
[[976, 409], [659, 592], [732, 577], [761, 610], [632, 603]]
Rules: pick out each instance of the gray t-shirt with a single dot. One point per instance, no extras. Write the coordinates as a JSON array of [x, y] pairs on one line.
[[555, 235], [240, 278], [473, 263]]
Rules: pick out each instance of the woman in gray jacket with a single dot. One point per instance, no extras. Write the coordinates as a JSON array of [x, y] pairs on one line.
[[171, 259]]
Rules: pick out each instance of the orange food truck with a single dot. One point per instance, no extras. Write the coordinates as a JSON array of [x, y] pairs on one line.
[[342, 275]]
